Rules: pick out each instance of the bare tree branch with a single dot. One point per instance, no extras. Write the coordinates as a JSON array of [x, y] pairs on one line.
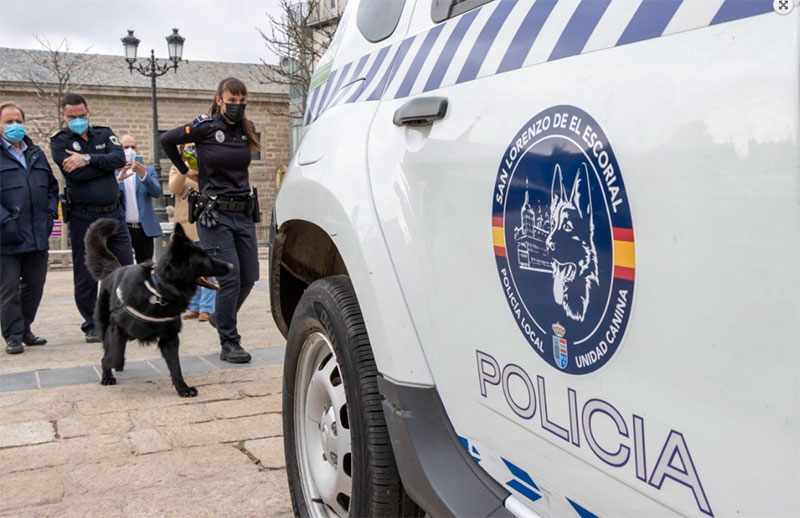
[[53, 73], [299, 37]]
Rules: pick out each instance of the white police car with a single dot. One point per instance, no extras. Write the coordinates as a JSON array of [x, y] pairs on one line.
[[541, 258]]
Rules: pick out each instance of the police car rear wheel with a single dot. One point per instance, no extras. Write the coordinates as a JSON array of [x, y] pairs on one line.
[[339, 457]]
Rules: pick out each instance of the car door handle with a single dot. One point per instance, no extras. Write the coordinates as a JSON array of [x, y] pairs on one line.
[[421, 111]]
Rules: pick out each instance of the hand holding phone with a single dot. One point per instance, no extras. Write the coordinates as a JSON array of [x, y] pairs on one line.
[[138, 166]]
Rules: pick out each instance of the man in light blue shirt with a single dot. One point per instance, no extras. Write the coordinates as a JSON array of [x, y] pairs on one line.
[[140, 185]]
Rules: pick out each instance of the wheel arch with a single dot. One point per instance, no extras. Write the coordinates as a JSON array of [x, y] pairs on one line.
[[300, 253]]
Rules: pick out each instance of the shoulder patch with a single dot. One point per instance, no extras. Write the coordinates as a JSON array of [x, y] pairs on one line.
[[114, 140], [201, 119]]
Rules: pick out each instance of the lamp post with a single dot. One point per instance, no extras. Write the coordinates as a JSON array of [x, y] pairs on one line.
[[153, 69]]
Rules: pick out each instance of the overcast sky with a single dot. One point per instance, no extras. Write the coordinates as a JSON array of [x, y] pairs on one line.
[[215, 30]]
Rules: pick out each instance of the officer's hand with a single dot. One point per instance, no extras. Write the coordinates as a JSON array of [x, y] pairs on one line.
[[192, 174], [73, 161]]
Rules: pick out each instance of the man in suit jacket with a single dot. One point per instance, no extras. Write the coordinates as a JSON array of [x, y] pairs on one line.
[[140, 185]]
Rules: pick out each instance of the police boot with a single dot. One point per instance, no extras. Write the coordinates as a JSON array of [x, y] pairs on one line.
[[232, 352]]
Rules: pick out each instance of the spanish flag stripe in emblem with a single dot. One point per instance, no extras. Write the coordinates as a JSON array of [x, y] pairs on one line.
[[626, 274], [623, 234], [624, 250], [624, 254], [498, 239]]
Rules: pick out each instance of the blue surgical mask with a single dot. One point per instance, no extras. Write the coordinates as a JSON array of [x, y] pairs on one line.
[[78, 126], [14, 132]]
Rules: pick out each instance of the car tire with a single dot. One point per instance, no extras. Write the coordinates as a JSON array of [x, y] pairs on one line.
[[339, 458]]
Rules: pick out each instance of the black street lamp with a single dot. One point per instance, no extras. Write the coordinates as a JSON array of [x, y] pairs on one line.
[[154, 69]]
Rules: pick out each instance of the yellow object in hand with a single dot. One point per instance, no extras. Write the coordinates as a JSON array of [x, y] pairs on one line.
[[190, 158]]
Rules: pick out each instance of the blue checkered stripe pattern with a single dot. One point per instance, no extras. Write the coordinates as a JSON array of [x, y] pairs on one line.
[[507, 35]]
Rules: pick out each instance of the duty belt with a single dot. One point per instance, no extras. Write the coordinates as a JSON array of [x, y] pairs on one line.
[[231, 205], [99, 209]]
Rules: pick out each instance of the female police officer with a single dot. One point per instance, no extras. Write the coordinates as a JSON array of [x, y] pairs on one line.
[[223, 141]]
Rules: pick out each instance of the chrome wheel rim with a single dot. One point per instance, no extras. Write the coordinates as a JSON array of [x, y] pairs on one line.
[[323, 431]]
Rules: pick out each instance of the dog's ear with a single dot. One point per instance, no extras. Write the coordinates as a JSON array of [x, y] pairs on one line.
[[179, 230], [179, 237], [581, 195]]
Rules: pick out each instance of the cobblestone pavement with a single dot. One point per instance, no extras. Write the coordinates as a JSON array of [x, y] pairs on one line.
[[72, 447]]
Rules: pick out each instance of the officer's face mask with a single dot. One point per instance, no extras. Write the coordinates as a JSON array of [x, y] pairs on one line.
[[78, 126], [14, 132], [234, 112]]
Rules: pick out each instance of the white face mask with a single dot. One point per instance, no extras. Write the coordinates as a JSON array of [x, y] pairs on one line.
[[130, 155]]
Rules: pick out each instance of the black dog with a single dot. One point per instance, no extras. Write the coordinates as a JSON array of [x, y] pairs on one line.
[[144, 301]]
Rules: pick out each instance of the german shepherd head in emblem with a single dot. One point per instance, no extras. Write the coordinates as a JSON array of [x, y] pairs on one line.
[[570, 244]]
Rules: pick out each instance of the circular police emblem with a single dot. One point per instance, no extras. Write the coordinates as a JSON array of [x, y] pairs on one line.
[[563, 239], [76, 146], [220, 136]]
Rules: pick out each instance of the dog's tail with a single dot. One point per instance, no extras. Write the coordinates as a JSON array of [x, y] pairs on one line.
[[99, 260]]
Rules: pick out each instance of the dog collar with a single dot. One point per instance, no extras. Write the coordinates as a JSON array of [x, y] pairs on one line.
[[156, 297]]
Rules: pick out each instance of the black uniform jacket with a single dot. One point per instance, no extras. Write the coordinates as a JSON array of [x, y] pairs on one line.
[[95, 183], [28, 201], [223, 153]]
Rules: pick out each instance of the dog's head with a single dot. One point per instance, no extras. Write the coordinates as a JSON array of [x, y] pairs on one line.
[[571, 244], [185, 262]]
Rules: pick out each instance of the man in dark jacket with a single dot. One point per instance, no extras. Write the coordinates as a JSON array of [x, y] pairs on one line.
[[28, 206], [89, 156]]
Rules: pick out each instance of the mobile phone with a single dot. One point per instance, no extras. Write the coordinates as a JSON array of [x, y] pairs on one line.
[[139, 158]]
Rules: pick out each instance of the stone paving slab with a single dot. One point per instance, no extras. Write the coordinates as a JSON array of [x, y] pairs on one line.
[[18, 381], [26, 433], [68, 376]]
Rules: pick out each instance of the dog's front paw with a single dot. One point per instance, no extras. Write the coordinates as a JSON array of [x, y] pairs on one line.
[[187, 391], [108, 380]]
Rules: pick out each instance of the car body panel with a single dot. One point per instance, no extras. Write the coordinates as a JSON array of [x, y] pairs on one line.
[[334, 195]]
